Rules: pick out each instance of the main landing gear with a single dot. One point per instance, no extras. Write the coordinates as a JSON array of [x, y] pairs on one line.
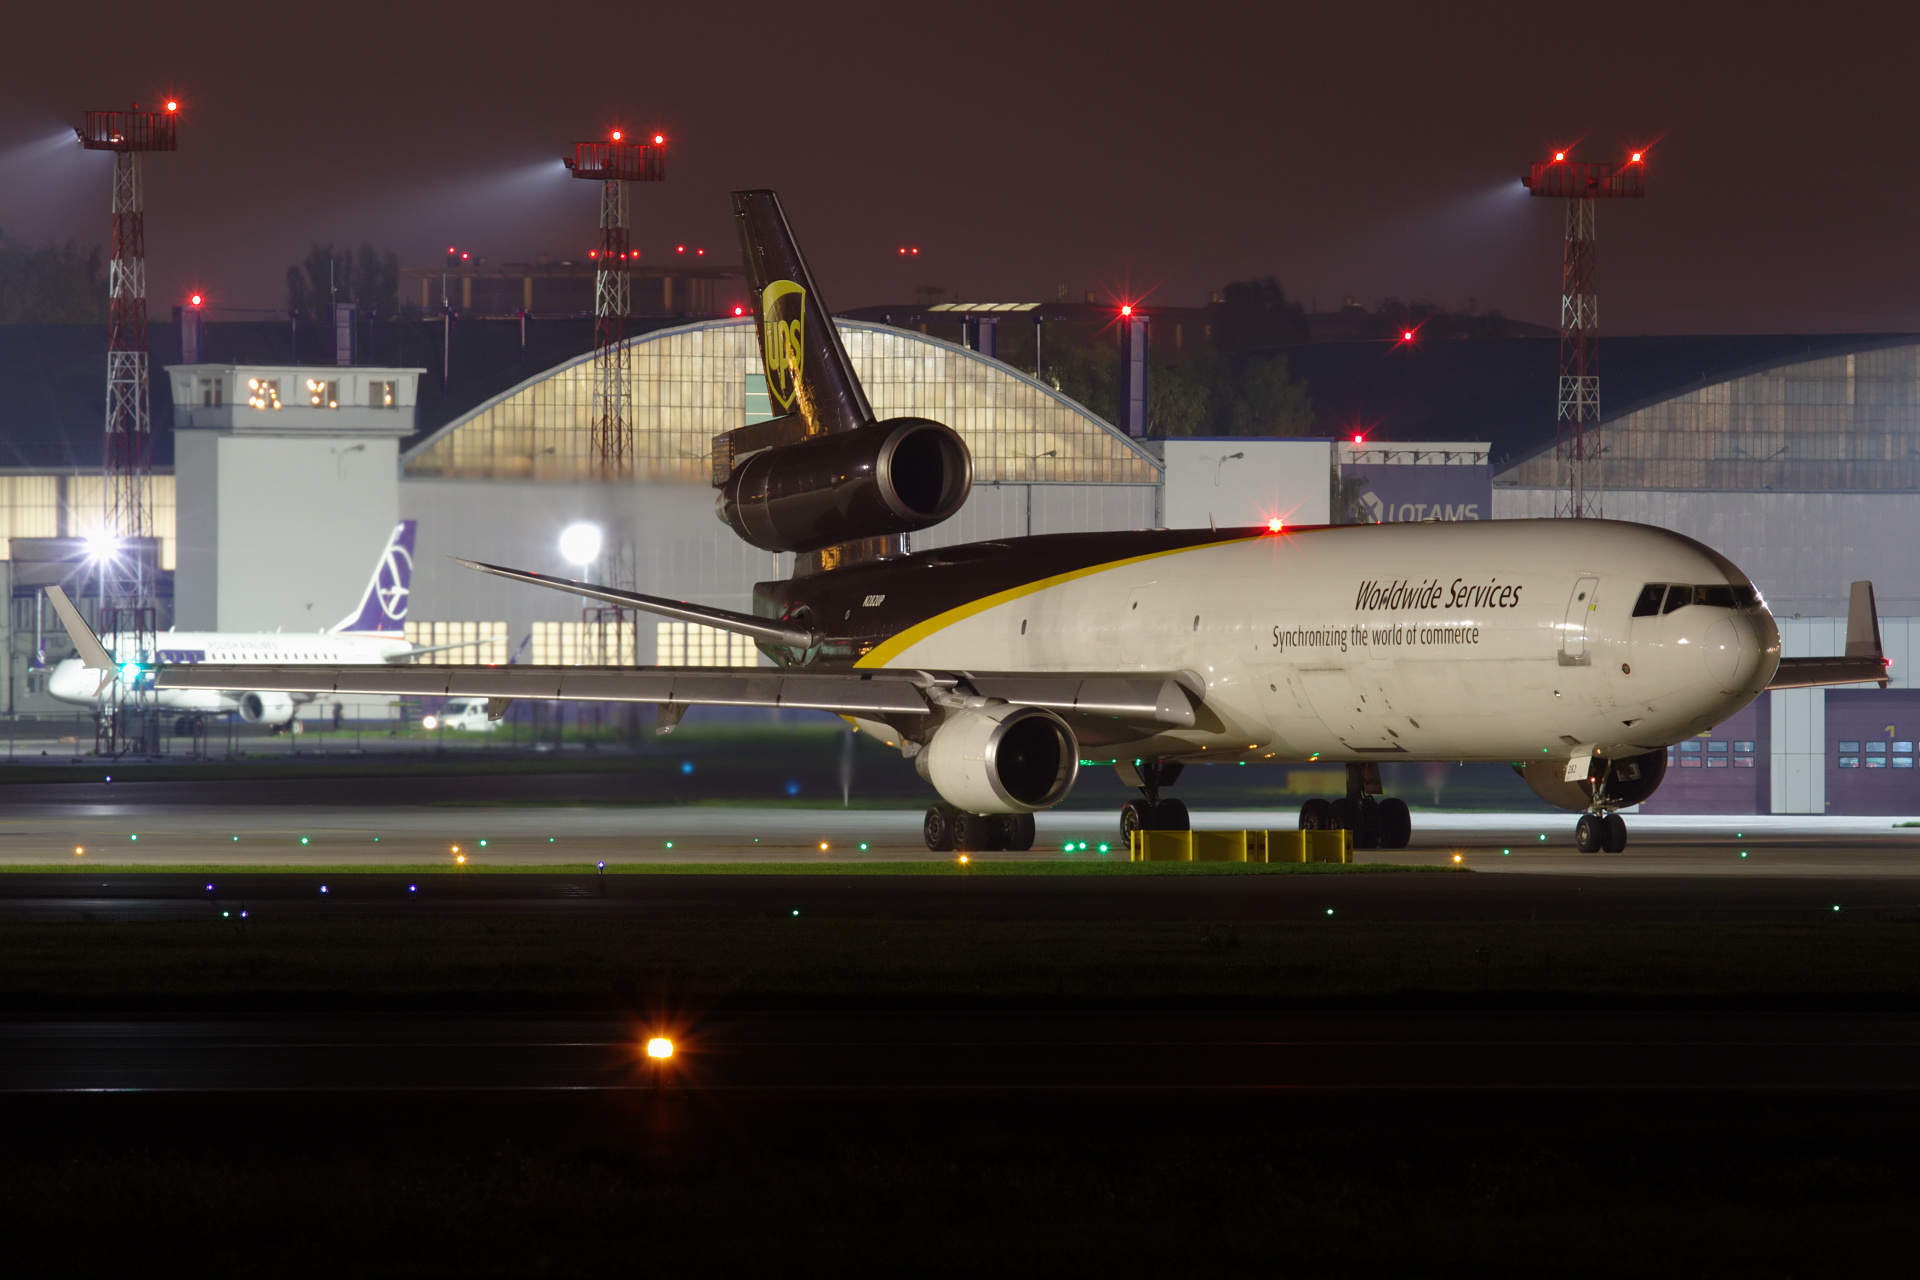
[[1152, 812], [1376, 824], [1600, 832], [951, 830]]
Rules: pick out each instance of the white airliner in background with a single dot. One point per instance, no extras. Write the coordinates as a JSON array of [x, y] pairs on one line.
[[373, 633]]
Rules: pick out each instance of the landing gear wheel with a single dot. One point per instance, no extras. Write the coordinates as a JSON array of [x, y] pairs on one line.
[[938, 829], [1012, 831], [1613, 833], [1362, 818], [1395, 824], [1136, 815], [1588, 833], [1316, 815], [1172, 815], [972, 833]]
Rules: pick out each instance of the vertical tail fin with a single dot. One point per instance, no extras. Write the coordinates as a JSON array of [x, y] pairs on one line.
[[383, 609], [808, 373]]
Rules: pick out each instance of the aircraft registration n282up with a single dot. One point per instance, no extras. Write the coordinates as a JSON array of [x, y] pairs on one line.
[[1579, 650]]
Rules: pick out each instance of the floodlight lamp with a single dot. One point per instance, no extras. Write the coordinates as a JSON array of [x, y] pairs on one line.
[[580, 543], [101, 545]]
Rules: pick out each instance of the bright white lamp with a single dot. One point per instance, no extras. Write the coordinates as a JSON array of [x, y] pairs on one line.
[[580, 543]]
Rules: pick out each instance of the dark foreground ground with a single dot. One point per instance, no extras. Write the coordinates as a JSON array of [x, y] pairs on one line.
[[1065, 1073]]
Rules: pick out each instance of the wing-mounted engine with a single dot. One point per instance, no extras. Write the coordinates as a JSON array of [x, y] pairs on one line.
[[1614, 784], [882, 479], [266, 708], [1001, 758]]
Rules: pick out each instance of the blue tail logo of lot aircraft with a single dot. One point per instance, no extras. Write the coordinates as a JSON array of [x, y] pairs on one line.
[[383, 609]]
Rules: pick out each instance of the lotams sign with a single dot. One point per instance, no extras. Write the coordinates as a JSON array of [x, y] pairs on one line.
[[1392, 492]]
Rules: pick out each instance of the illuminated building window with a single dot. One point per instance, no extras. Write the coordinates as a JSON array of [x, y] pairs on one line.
[[263, 393], [688, 644], [323, 394], [380, 395], [474, 643], [582, 644]]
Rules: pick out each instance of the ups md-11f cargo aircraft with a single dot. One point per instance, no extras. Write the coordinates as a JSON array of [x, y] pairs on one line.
[[1577, 649]]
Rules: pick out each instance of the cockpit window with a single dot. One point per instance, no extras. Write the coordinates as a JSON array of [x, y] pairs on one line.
[[1718, 596]]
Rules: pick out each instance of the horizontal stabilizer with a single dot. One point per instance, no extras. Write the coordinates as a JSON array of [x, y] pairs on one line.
[[762, 629], [1864, 661]]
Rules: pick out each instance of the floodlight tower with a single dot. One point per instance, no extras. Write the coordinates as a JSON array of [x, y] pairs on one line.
[[614, 164], [128, 595], [1577, 473]]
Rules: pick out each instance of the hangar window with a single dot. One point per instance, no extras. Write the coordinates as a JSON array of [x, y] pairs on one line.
[[1691, 744], [1904, 748], [1689, 762], [1903, 762], [1716, 746], [1876, 762], [1743, 762], [1649, 602], [1849, 746], [1744, 744], [1849, 762], [1880, 747], [1716, 762]]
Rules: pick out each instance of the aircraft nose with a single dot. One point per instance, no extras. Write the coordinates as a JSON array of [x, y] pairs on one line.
[[1732, 651]]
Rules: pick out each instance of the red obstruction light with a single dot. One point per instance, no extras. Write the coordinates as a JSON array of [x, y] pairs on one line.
[[465, 256], [739, 311], [1126, 308], [1558, 156], [1274, 526], [616, 135], [699, 253], [659, 138], [172, 105], [679, 248], [1406, 335], [1636, 157], [1359, 439], [194, 299]]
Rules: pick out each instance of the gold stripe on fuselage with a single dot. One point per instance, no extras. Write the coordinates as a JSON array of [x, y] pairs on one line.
[[887, 650]]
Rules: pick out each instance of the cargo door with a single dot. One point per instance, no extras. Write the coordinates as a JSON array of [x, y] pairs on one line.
[[1574, 629]]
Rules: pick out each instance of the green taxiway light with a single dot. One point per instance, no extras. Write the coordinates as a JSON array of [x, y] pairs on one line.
[[863, 846], [1506, 853], [1743, 853], [134, 837], [669, 844], [483, 844], [1103, 848], [303, 839]]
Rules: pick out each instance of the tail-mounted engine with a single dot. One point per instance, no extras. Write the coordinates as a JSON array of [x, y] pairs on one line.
[[1613, 784], [884, 478], [1001, 759]]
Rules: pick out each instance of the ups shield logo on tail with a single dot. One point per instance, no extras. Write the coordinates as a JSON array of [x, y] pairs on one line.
[[783, 315]]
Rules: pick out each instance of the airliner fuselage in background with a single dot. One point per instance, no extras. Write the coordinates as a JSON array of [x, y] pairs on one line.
[[1577, 649], [373, 633]]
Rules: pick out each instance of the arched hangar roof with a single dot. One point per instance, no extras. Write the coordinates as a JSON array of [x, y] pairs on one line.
[[692, 383]]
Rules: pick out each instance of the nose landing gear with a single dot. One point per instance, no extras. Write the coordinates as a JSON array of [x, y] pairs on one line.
[[1600, 832]]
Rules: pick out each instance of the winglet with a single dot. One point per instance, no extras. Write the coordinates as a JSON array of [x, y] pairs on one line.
[[93, 654], [1863, 623]]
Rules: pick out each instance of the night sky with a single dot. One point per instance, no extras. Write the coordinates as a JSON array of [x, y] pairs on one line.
[[1147, 149]]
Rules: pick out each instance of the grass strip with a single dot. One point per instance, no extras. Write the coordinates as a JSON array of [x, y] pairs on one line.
[[945, 867]]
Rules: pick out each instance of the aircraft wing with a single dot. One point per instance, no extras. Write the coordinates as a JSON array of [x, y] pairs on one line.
[[1100, 708]]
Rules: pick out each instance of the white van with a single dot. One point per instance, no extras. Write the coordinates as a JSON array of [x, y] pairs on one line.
[[461, 713]]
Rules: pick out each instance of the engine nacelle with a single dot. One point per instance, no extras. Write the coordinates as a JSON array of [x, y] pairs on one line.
[[1624, 783], [884, 478], [266, 708], [1002, 759]]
